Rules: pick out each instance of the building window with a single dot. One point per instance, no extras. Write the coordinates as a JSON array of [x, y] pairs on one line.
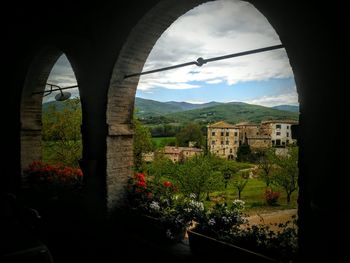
[[222, 133], [278, 126], [287, 127], [236, 141], [230, 150], [287, 134], [212, 133], [227, 133], [227, 142], [278, 142], [278, 133], [273, 142], [287, 142], [222, 142], [236, 133], [213, 142]]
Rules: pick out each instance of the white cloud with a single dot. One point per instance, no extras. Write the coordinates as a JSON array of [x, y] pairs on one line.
[[290, 98], [195, 101], [215, 29]]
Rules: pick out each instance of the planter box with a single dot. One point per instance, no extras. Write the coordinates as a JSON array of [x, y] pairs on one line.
[[209, 248], [151, 228]]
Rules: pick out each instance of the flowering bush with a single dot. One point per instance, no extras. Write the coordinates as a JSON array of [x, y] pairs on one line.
[[221, 219], [271, 197], [52, 178], [281, 244], [161, 201]]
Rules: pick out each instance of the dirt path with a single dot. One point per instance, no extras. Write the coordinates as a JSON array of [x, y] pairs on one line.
[[273, 217]]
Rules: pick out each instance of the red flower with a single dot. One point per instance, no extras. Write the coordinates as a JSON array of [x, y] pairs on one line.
[[167, 184]]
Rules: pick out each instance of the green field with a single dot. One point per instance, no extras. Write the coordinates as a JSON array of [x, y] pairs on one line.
[[160, 142], [253, 195]]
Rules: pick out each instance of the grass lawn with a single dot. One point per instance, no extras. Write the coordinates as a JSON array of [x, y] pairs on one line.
[[253, 196], [162, 141]]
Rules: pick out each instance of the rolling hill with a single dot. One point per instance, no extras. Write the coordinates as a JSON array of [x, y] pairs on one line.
[[232, 112], [155, 113]]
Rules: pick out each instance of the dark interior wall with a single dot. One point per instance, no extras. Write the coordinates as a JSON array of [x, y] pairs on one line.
[[91, 34]]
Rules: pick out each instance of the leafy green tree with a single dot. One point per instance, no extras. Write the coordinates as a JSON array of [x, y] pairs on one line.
[[241, 182], [142, 144], [266, 165], [244, 153], [198, 176], [286, 174], [228, 170], [63, 127], [190, 133], [161, 167]]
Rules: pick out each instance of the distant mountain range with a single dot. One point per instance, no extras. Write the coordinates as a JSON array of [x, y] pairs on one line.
[[155, 112], [291, 108]]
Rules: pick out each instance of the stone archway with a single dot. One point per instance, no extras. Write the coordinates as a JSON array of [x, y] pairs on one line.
[[121, 93], [31, 105]]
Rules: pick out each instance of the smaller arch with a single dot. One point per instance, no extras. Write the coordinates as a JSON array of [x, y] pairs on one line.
[[31, 104]]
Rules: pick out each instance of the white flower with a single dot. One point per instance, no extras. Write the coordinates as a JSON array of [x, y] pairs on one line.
[[196, 205], [225, 219], [154, 205], [193, 196], [238, 204], [169, 234], [211, 222]]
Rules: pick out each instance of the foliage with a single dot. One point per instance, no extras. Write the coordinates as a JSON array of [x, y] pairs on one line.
[[281, 244], [266, 165], [161, 142], [286, 175], [228, 170], [161, 201], [221, 219], [241, 182], [52, 179], [161, 167], [63, 127], [271, 196], [244, 153], [198, 175], [190, 133], [142, 144]]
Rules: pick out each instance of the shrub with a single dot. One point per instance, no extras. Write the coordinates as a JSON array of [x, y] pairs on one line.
[[271, 197]]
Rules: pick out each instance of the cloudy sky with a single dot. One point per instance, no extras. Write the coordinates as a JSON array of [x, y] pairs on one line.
[[209, 30]]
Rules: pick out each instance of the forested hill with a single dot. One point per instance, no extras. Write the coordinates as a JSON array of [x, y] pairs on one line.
[[155, 112]]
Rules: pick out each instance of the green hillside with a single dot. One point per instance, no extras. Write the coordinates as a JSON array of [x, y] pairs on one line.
[[233, 112]]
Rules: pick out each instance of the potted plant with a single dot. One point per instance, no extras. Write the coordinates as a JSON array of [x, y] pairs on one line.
[[158, 210], [223, 232]]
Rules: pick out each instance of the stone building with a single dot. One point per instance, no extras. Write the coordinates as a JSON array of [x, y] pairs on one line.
[[280, 131], [178, 154], [223, 139], [259, 141], [246, 130]]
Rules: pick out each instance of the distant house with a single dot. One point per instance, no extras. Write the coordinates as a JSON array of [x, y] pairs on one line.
[[178, 154], [223, 139], [280, 131]]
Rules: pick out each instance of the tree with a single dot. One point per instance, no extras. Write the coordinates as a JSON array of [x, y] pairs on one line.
[[228, 170], [190, 133], [241, 182], [265, 165], [198, 176], [61, 128], [244, 153], [286, 174], [142, 144]]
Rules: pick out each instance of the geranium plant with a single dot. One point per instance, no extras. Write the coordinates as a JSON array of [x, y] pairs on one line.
[[162, 201], [52, 179]]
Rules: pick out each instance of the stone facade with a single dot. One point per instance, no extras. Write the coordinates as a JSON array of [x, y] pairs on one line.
[[223, 139], [179, 154], [280, 131], [247, 129]]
